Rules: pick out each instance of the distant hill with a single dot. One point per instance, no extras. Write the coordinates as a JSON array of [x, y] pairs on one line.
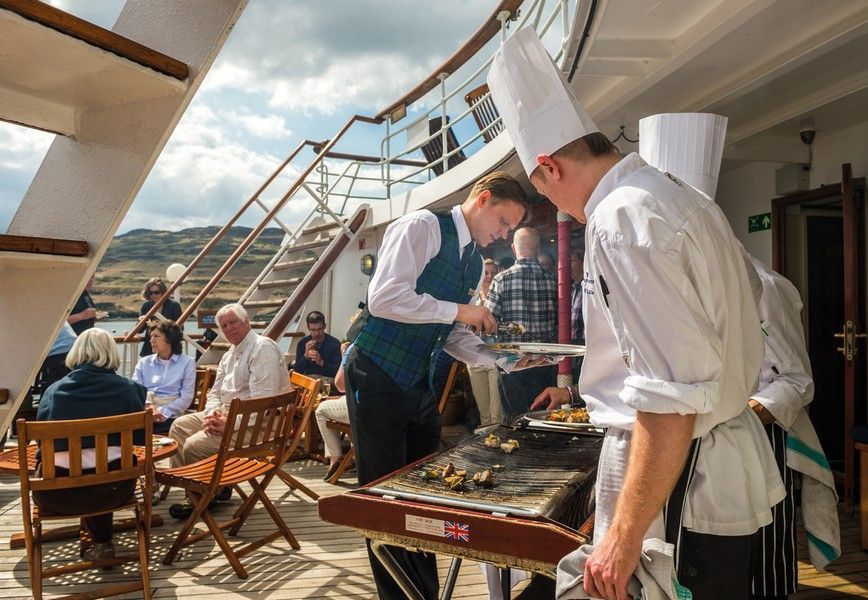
[[138, 255]]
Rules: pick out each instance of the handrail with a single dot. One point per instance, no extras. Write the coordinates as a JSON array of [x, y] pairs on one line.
[[214, 240], [364, 158], [251, 237], [482, 36]]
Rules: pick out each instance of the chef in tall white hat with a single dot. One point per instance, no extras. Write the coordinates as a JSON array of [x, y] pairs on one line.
[[673, 350], [690, 146]]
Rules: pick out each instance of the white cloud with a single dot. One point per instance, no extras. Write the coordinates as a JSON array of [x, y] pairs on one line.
[[312, 59], [271, 127]]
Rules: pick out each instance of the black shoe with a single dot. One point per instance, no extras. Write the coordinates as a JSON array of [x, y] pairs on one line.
[[184, 509], [224, 494], [333, 468]]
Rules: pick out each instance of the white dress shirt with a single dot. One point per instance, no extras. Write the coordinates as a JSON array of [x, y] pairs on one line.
[[786, 386], [671, 327], [408, 245], [255, 368]]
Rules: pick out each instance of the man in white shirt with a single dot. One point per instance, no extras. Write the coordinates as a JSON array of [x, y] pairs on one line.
[[428, 269], [253, 367], [672, 344]]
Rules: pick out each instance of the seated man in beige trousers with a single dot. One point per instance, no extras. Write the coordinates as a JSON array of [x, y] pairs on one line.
[[253, 367]]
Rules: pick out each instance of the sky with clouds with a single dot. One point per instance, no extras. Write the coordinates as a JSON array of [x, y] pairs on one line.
[[290, 70]]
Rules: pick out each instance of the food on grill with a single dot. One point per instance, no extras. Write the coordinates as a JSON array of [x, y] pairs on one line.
[[572, 415], [449, 471], [492, 441], [497, 468], [431, 474], [455, 482], [484, 479], [509, 445]]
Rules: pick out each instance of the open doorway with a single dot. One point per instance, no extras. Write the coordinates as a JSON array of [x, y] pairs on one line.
[[819, 244]]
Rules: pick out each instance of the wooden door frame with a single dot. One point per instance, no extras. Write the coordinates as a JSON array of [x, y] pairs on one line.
[[852, 287]]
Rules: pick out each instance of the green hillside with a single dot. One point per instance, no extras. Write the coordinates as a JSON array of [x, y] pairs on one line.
[[138, 255]]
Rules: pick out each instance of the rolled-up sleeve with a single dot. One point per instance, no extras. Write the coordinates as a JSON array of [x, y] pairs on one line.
[[786, 384], [669, 346], [463, 345]]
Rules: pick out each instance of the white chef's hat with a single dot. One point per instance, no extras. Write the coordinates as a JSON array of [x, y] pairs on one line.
[[688, 145], [539, 108]]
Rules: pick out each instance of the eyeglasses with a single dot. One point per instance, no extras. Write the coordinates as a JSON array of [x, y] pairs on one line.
[[156, 292]]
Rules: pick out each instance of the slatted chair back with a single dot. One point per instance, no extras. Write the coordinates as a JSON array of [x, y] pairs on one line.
[[432, 149], [204, 380], [101, 434], [308, 393], [484, 112], [262, 427]]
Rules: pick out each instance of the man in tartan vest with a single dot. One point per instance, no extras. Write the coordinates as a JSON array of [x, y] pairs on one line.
[[429, 267]]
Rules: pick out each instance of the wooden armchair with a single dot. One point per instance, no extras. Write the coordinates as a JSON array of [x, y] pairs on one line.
[[46, 433], [251, 452], [484, 112]]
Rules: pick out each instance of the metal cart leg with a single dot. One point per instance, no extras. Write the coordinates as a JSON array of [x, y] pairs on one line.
[[381, 551], [451, 578], [506, 583]]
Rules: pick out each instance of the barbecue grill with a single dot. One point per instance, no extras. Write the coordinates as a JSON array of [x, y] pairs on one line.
[[530, 519]]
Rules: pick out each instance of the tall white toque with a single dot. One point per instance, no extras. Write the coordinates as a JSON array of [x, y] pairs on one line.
[[539, 108], [688, 145]]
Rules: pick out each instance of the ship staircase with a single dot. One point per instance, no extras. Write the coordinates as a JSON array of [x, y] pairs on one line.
[[113, 98]]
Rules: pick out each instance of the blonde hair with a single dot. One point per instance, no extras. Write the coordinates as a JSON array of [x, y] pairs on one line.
[[94, 347]]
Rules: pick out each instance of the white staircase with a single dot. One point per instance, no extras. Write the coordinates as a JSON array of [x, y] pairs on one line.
[[114, 97]]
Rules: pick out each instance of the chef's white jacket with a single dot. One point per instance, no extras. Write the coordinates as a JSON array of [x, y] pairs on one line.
[[786, 385], [672, 327]]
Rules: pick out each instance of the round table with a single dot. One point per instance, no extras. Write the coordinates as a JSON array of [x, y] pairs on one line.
[[9, 459]]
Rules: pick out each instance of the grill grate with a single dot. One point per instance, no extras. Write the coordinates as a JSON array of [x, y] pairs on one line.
[[547, 474]]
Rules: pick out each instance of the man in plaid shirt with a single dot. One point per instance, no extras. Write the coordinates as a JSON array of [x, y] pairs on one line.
[[526, 294]]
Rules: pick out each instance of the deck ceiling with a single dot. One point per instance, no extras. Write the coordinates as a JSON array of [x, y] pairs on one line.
[[764, 64]]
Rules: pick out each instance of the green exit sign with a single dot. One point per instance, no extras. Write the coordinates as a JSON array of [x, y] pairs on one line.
[[759, 222]]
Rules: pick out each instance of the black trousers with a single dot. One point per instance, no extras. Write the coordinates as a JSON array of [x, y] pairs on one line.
[[712, 567], [86, 499], [775, 570], [392, 427], [518, 390]]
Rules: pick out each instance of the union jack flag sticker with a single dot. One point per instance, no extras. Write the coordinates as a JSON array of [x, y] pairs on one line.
[[453, 530]]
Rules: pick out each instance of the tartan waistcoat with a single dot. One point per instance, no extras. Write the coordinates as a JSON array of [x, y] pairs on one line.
[[405, 351]]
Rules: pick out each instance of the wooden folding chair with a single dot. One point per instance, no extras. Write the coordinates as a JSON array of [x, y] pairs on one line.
[[308, 390], [346, 459], [250, 452], [204, 380], [104, 431], [484, 112]]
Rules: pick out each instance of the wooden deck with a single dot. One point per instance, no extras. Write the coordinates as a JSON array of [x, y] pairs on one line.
[[332, 562]]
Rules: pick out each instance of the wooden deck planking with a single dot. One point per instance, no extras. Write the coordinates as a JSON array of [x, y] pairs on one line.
[[332, 562]]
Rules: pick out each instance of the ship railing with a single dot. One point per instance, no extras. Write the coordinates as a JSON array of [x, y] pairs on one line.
[[506, 15], [334, 191]]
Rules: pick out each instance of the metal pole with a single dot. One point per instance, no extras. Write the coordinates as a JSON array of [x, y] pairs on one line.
[[381, 551], [388, 157], [503, 17], [451, 578], [565, 323], [444, 132]]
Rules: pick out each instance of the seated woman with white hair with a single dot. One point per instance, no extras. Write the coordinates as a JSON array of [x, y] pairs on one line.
[[91, 389], [168, 374]]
